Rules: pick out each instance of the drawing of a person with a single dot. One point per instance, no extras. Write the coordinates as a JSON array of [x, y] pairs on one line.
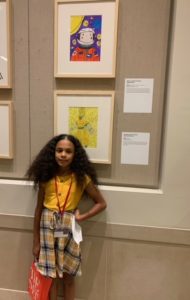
[[86, 50], [84, 129]]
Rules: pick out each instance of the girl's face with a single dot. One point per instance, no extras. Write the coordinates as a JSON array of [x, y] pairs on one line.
[[64, 154]]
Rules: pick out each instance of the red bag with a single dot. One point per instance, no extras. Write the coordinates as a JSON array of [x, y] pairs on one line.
[[38, 285]]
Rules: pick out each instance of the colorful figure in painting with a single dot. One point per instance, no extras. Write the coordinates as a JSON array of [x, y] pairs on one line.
[[85, 38], [82, 128]]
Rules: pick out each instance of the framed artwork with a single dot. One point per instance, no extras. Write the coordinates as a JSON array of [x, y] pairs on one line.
[[85, 38], [5, 59], [88, 115], [6, 129]]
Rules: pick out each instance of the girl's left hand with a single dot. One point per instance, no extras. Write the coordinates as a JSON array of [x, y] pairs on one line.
[[99, 203], [77, 215]]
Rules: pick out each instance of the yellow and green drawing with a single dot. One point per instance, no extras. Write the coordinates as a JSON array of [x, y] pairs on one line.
[[83, 124]]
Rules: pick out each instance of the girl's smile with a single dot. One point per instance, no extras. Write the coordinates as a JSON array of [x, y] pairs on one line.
[[64, 153]]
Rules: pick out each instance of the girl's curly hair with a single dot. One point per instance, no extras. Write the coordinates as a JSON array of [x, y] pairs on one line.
[[44, 167]]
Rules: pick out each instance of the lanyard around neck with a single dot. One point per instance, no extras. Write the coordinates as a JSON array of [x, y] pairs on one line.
[[61, 210]]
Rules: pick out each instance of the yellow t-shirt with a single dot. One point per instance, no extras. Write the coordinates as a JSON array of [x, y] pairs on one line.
[[63, 185]]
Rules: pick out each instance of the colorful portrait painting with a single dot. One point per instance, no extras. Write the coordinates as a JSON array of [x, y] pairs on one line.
[[85, 38], [83, 123]]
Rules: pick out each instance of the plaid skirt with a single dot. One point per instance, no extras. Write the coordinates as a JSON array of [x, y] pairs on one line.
[[58, 255]]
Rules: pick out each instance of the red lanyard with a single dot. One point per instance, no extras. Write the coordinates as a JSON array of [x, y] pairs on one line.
[[67, 196]]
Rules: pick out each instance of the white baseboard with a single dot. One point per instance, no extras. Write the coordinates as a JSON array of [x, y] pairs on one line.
[[7, 294]]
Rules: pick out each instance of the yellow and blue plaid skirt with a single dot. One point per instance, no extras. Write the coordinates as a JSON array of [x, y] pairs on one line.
[[58, 255]]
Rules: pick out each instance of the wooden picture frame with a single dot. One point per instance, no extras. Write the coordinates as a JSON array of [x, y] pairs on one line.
[[6, 130], [88, 115], [85, 38], [5, 41]]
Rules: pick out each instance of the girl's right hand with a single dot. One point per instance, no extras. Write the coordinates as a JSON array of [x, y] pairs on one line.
[[36, 250]]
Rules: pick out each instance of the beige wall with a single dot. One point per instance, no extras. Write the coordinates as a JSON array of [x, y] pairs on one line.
[[168, 206], [145, 210], [143, 28]]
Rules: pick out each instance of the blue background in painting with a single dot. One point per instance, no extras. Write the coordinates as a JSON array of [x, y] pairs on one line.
[[94, 22]]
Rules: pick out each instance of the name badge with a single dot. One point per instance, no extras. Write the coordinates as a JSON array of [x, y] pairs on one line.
[[59, 234]]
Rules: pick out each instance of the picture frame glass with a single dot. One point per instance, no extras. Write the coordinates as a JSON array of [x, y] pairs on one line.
[[6, 129], [84, 116], [85, 38], [4, 44]]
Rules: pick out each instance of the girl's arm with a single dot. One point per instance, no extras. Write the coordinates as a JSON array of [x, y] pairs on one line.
[[36, 227], [99, 203]]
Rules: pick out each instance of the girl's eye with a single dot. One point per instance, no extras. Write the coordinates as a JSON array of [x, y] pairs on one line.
[[59, 150]]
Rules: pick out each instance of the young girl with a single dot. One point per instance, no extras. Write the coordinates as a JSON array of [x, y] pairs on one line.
[[62, 173]]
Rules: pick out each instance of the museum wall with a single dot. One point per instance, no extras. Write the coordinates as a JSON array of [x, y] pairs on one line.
[[142, 47], [154, 215]]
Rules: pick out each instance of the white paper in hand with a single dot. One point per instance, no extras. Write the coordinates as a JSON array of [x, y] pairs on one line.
[[77, 231]]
